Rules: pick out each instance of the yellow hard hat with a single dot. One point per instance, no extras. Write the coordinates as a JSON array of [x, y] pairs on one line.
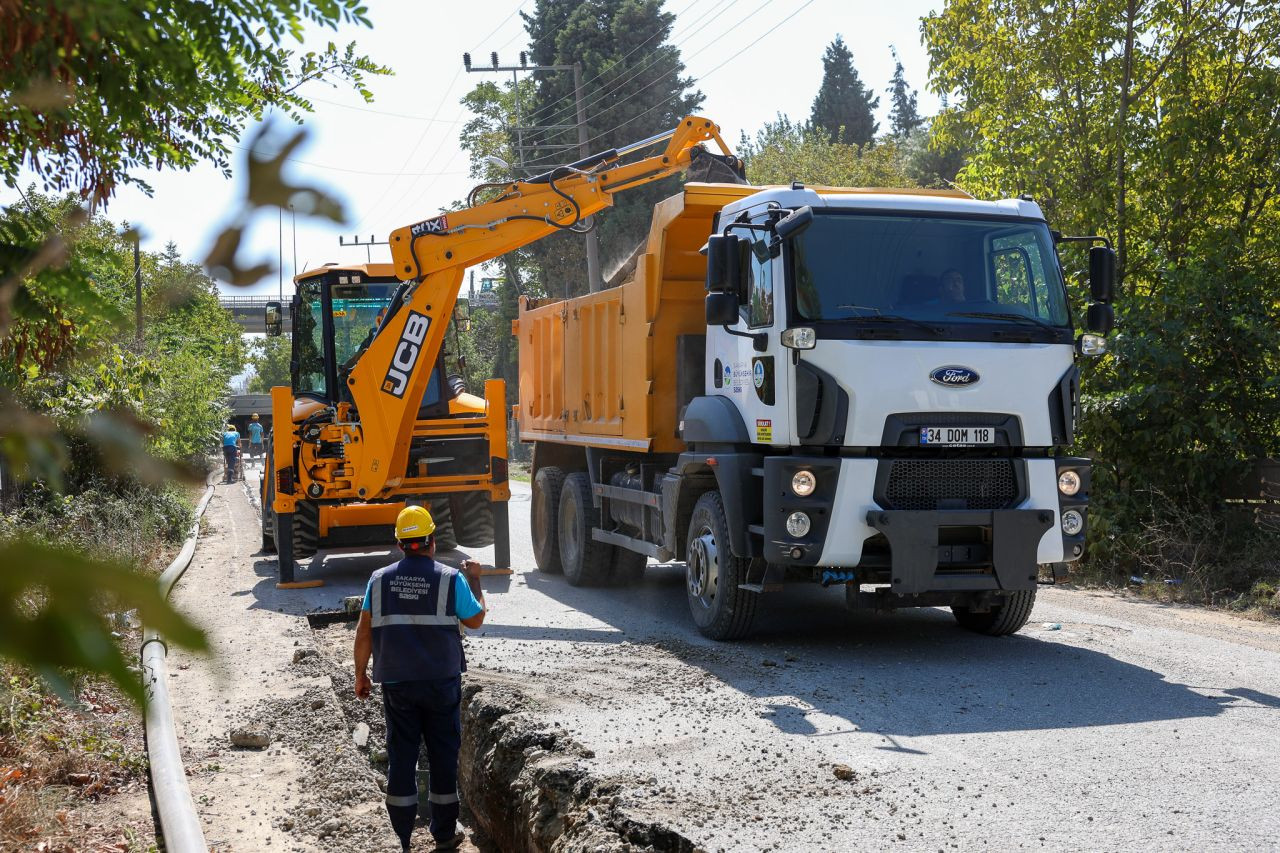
[[255, 416], [414, 522]]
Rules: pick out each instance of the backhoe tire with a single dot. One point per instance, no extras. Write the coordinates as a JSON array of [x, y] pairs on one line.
[[442, 515], [586, 562], [1000, 621], [472, 518], [268, 495], [544, 519], [306, 529], [721, 611]]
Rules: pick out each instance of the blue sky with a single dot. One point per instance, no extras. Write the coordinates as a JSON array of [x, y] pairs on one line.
[[397, 160]]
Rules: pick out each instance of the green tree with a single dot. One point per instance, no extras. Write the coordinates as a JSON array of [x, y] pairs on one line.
[[270, 360], [1155, 123], [844, 108], [99, 91], [904, 117], [633, 87], [784, 151]]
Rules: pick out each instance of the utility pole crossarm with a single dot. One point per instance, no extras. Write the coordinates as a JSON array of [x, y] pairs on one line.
[[528, 210]]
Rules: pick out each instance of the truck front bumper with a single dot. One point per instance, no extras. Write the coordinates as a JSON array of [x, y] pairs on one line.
[[913, 545]]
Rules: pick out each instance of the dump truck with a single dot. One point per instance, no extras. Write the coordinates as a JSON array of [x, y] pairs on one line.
[[868, 388], [374, 419]]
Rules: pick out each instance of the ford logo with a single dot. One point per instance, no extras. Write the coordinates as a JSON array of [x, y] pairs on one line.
[[954, 377]]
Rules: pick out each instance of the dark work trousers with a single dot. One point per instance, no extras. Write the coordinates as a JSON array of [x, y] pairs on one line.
[[423, 712]]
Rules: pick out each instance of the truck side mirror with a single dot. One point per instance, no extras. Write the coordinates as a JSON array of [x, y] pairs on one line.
[[1100, 318], [1102, 274], [274, 320], [722, 309], [724, 267], [794, 223]]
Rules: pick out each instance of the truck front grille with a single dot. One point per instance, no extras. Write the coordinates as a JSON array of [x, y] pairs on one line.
[[929, 484]]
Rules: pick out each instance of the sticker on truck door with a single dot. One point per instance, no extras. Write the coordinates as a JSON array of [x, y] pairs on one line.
[[764, 431], [762, 378]]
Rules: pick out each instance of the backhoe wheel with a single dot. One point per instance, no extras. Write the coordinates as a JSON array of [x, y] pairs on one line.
[[472, 519], [268, 495], [627, 568], [306, 529], [585, 561], [1000, 621], [544, 519], [443, 517], [720, 609]]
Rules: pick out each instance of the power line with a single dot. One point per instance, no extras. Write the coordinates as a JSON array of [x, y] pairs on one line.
[[384, 112]]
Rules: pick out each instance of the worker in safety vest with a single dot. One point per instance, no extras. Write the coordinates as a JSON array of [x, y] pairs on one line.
[[409, 623]]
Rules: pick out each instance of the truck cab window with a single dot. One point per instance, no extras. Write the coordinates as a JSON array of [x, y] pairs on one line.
[[758, 305], [308, 339]]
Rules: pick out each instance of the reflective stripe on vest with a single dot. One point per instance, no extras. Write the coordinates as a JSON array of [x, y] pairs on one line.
[[441, 617]]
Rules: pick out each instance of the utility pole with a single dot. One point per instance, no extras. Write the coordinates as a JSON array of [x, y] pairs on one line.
[[294, 215], [137, 286], [280, 252], [594, 281], [356, 241]]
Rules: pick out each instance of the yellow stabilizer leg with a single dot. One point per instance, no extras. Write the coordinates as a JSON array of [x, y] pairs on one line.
[[300, 584], [490, 572]]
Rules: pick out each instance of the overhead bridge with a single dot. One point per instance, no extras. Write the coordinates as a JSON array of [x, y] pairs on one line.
[[250, 311]]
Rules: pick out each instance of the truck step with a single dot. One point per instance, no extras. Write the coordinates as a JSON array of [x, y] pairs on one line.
[[761, 587], [757, 529]]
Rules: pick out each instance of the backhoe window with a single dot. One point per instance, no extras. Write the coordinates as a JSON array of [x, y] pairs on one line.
[[356, 309], [308, 339]]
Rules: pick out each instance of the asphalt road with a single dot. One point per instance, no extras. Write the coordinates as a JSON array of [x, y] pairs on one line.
[[1106, 724]]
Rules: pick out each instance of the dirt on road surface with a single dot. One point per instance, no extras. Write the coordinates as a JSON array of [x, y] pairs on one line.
[[1106, 724]]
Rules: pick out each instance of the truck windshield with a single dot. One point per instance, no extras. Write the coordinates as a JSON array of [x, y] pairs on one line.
[[356, 309], [918, 277], [308, 339]]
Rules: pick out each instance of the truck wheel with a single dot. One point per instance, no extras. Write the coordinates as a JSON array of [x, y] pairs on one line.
[[544, 519], [443, 517], [1006, 619], [720, 609], [472, 519], [268, 495], [628, 567], [585, 561], [306, 529]]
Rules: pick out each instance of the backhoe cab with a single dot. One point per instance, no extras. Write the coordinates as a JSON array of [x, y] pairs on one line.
[[456, 450]]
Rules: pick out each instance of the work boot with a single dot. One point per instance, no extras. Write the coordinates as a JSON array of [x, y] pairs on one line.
[[451, 843]]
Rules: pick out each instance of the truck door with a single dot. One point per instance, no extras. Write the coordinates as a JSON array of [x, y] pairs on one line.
[[758, 382]]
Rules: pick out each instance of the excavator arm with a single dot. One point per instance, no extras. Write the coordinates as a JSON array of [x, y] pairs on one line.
[[388, 381]]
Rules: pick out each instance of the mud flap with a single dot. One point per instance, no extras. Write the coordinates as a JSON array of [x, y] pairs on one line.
[[913, 547]]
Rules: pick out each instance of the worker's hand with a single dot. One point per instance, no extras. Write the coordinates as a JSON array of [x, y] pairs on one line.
[[363, 685], [471, 569]]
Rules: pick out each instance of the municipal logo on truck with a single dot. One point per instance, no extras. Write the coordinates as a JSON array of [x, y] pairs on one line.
[[396, 382]]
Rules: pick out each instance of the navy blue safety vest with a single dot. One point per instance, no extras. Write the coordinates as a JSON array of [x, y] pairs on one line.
[[415, 621]]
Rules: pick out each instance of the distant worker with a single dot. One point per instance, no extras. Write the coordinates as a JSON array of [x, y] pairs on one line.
[[230, 452], [255, 437], [409, 624]]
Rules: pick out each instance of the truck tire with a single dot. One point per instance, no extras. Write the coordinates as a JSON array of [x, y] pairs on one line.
[[306, 529], [472, 519], [443, 517], [720, 610], [627, 568], [1001, 621], [585, 561], [544, 519]]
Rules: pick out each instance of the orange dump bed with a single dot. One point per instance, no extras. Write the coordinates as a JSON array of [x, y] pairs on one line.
[[600, 370]]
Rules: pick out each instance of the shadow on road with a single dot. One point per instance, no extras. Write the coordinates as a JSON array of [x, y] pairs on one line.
[[911, 674]]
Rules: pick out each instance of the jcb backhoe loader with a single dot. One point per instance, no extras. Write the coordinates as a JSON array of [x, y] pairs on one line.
[[373, 421]]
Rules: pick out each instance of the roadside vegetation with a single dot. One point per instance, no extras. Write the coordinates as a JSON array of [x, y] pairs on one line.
[[105, 427]]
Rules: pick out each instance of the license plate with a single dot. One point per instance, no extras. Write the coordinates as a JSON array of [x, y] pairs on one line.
[[942, 436]]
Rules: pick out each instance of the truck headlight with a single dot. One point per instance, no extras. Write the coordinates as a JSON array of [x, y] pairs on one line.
[[1068, 482], [803, 483], [797, 524], [1072, 522]]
